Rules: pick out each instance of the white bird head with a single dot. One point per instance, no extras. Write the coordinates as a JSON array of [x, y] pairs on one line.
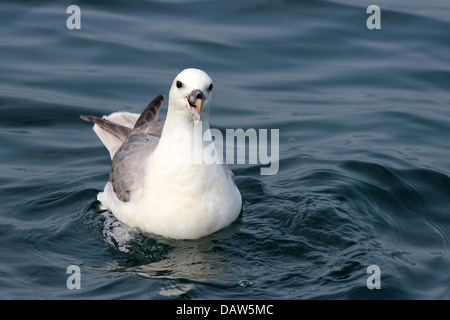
[[191, 93]]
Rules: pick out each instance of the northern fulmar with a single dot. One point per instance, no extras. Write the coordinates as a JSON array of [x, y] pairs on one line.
[[154, 183]]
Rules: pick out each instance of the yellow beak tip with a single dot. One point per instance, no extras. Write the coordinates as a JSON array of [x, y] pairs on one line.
[[199, 104]]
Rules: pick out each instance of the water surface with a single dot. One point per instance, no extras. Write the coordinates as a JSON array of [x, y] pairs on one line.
[[364, 170]]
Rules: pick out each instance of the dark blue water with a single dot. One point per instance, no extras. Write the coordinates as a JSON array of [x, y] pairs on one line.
[[364, 169]]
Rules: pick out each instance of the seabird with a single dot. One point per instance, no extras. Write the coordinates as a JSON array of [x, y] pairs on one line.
[[154, 183]]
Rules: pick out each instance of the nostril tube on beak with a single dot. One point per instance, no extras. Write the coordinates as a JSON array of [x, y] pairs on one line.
[[196, 95]]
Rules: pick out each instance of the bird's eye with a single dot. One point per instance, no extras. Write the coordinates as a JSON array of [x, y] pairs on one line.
[[210, 87], [179, 84]]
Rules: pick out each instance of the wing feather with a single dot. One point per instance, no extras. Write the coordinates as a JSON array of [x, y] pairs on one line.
[[130, 140], [149, 116]]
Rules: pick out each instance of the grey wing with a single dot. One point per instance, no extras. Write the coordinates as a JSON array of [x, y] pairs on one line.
[[128, 166], [114, 129], [130, 140], [147, 122]]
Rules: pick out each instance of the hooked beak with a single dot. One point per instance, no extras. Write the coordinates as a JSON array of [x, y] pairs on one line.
[[195, 100]]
